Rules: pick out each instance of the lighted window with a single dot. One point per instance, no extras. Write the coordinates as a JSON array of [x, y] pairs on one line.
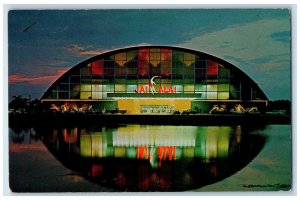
[[154, 59], [223, 87], [212, 88], [143, 61], [212, 68], [199, 88], [97, 67], [120, 88], [97, 88], [85, 95], [212, 95], [166, 50], [155, 50], [120, 59], [85, 87], [166, 67], [166, 56], [131, 88], [143, 67], [189, 59], [189, 88], [179, 88], [177, 56], [108, 88], [189, 56], [203, 95], [96, 95], [132, 55], [223, 95]]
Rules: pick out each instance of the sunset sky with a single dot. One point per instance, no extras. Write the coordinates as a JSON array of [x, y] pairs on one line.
[[43, 44]]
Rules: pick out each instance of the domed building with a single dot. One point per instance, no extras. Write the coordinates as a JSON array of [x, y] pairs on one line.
[[154, 80]]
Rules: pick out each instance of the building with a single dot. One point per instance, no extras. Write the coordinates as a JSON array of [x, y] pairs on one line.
[[154, 80]]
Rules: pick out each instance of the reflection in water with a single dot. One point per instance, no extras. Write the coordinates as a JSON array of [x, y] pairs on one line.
[[154, 158]]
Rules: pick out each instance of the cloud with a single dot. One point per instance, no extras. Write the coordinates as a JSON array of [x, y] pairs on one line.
[[247, 41], [80, 51], [260, 48], [43, 76]]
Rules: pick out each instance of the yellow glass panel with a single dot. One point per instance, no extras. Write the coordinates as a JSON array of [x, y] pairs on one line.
[[187, 63], [85, 87], [120, 88], [120, 59], [189, 56], [85, 95], [189, 88], [223, 95], [154, 50], [154, 63]]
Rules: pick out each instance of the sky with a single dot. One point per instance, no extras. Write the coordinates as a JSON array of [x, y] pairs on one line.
[[43, 44]]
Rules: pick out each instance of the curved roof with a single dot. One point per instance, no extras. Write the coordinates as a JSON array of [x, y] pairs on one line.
[[243, 76]]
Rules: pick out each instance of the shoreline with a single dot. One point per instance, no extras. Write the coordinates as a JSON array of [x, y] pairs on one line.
[[70, 119]]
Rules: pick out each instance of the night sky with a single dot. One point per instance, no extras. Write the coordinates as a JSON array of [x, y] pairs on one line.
[[43, 44]]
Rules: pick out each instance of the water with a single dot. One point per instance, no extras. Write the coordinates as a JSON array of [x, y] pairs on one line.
[[158, 158]]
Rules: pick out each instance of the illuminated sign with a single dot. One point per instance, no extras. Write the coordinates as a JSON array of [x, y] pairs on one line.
[[150, 88]]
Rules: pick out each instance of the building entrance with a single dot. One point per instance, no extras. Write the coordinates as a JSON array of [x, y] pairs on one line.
[[157, 109]]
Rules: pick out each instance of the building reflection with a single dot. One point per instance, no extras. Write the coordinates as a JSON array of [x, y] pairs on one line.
[[134, 142], [153, 158]]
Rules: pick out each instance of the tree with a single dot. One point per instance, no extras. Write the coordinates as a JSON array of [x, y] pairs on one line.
[[19, 104]]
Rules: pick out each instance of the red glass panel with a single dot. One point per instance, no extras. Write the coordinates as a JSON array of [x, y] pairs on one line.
[[97, 67], [212, 68], [143, 61], [143, 50], [166, 50]]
